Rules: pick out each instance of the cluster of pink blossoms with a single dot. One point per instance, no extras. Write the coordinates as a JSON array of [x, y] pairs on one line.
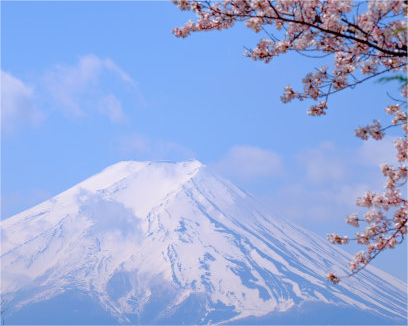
[[374, 130], [366, 39], [374, 41], [386, 218]]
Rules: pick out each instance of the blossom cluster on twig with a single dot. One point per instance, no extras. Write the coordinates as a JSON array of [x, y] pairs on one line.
[[375, 40], [386, 219]]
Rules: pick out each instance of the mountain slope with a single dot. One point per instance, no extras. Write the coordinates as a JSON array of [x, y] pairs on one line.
[[161, 242]]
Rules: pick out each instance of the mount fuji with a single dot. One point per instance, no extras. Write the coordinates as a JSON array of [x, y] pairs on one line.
[[173, 243]]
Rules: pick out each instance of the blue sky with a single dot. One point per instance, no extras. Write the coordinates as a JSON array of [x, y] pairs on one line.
[[88, 84]]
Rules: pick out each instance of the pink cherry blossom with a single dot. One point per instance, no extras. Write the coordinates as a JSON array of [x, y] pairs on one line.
[[353, 220]]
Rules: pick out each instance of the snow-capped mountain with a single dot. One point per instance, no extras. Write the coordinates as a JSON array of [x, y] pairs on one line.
[[173, 243]]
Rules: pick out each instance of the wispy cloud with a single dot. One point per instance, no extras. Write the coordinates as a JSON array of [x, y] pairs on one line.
[[142, 147], [333, 178], [246, 163], [112, 107], [79, 88], [323, 164], [91, 86], [317, 185], [373, 152], [134, 143], [306, 204], [17, 104]]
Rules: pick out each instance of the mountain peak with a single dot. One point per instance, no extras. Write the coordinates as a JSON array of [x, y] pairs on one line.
[[128, 169]]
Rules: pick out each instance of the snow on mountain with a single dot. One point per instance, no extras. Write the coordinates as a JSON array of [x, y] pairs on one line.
[[173, 243]]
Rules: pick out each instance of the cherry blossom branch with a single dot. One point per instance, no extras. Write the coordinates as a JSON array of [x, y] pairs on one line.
[[378, 235], [367, 38], [302, 22]]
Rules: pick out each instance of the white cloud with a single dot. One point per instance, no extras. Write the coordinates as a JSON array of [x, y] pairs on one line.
[[134, 143], [326, 204], [323, 164], [373, 152], [118, 220], [112, 107], [76, 90], [17, 104], [332, 179], [110, 65], [246, 163], [142, 147], [78, 87]]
